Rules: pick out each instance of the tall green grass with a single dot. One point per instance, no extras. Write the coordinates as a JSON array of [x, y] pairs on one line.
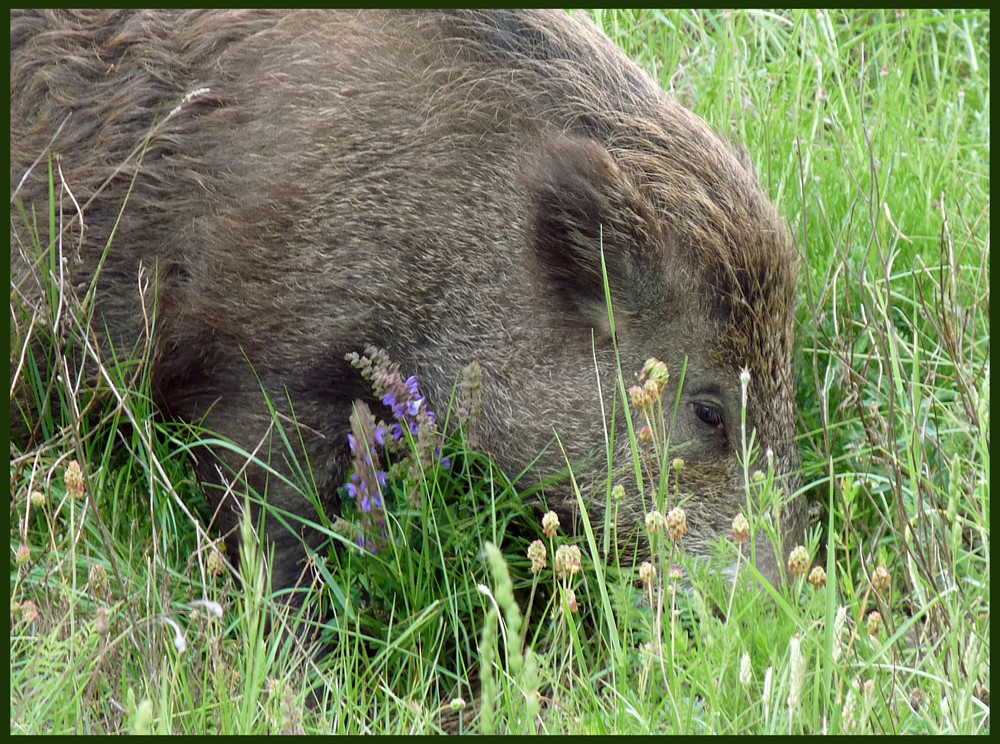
[[870, 130]]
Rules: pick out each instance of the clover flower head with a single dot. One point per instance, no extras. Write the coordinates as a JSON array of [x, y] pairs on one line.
[[538, 556], [567, 562], [677, 526], [550, 524], [647, 574], [655, 522], [741, 529], [798, 561]]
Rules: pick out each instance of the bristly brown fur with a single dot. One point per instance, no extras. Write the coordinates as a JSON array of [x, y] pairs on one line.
[[438, 183]]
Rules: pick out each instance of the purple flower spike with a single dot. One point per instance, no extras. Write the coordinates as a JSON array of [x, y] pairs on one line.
[[412, 384]]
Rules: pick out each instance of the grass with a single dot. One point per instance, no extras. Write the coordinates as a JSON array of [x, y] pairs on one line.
[[871, 132]]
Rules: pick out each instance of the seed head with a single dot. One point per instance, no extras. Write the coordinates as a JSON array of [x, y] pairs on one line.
[[677, 464], [646, 435], [23, 555], [677, 525], [74, 480], [741, 529], [874, 623], [817, 577], [640, 401], [746, 672], [216, 566], [37, 498], [798, 561], [881, 580], [567, 561], [571, 604], [656, 371], [550, 524], [29, 612], [655, 522], [797, 663], [647, 574], [538, 556], [470, 393], [618, 493], [98, 581]]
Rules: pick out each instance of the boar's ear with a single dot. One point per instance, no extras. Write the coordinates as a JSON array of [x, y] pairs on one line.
[[582, 201]]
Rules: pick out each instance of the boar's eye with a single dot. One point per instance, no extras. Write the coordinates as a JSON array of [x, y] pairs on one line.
[[708, 413]]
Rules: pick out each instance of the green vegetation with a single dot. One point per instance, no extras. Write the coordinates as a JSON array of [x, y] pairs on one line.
[[871, 132]]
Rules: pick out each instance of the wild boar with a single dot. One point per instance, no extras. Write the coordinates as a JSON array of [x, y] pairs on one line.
[[281, 188]]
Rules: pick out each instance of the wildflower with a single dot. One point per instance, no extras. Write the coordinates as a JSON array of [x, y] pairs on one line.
[[74, 480], [216, 565], [881, 580], [37, 498], [571, 604], [874, 623], [675, 573], [677, 464], [746, 672], [656, 372], [817, 577], [646, 435], [29, 612], [457, 704], [409, 408], [900, 14], [550, 524], [538, 556], [798, 561], [744, 384], [567, 561], [647, 574], [677, 526], [758, 476], [741, 529], [640, 400], [618, 493], [367, 480], [23, 555], [98, 581], [655, 522], [797, 663]]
